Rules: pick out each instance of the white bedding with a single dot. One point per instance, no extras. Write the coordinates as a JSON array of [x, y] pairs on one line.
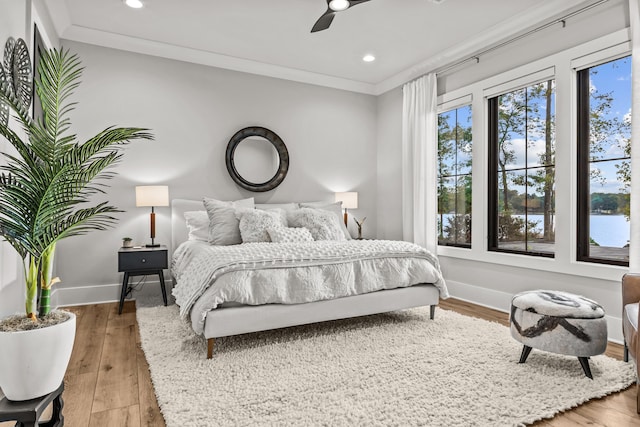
[[293, 273]]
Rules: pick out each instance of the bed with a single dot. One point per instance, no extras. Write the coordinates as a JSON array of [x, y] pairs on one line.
[[237, 289]]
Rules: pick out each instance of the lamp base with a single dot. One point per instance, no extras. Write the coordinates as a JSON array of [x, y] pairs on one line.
[[153, 245]]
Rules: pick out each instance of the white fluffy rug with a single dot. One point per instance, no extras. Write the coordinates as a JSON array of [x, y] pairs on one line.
[[397, 369]]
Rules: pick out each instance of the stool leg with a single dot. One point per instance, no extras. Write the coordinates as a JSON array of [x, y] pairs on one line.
[[525, 353], [584, 361], [164, 291]]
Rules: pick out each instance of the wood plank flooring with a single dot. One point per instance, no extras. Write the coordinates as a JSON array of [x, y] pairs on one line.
[[108, 382]]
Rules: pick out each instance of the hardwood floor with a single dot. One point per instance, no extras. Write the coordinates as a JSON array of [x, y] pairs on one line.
[[108, 382]]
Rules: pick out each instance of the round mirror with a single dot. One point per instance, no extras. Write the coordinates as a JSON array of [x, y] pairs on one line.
[[257, 159]]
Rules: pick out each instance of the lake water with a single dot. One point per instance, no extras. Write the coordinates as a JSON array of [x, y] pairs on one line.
[[607, 230]]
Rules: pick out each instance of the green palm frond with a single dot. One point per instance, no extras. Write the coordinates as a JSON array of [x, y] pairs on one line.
[[46, 187]]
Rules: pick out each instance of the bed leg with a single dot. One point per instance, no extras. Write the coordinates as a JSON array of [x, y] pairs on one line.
[[210, 343], [432, 312]]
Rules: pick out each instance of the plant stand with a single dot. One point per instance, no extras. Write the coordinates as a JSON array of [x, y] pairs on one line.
[[27, 412]]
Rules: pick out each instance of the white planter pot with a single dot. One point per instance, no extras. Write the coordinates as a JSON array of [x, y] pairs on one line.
[[33, 363]]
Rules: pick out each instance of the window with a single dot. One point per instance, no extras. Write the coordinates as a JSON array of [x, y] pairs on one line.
[[454, 177], [604, 148], [522, 171]]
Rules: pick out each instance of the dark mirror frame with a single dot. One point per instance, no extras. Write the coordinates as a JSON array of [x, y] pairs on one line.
[[274, 139]]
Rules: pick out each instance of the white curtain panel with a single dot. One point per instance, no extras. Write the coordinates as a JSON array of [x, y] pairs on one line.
[[419, 162], [634, 245]]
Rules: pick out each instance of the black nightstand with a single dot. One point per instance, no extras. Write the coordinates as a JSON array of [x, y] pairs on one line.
[[142, 262]]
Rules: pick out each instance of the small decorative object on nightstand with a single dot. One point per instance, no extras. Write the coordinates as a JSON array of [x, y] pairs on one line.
[[142, 262], [127, 242], [359, 223]]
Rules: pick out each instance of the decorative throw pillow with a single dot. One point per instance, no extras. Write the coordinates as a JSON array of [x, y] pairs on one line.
[[254, 223], [198, 225], [290, 235], [336, 208], [323, 225], [224, 227]]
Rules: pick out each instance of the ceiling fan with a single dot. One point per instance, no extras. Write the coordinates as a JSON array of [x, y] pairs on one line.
[[334, 6]]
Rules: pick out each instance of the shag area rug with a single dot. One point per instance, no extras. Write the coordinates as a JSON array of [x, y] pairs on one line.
[[398, 369]]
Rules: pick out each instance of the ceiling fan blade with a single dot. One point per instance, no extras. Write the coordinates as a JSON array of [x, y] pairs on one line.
[[356, 2], [324, 21]]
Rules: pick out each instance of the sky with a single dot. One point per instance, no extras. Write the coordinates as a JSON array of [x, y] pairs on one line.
[[612, 77]]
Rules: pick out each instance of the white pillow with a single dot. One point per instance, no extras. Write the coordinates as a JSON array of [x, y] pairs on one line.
[[290, 235], [198, 225], [224, 228], [322, 224], [255, 222], [336, 208]]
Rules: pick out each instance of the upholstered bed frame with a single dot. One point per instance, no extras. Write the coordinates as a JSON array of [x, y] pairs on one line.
[[228, 321]]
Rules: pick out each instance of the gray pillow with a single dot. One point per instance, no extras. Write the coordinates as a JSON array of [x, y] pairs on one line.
[[224, 227], [336, 208]]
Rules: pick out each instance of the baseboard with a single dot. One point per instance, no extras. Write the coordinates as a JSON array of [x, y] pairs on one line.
[[100, 294], [501, 301]]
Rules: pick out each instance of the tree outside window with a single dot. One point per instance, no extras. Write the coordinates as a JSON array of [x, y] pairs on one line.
[[454, 177], [604, 167], [522, 170]]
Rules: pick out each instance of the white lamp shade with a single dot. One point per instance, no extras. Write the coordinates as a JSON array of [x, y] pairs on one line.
[[349, 199], [152, 195]]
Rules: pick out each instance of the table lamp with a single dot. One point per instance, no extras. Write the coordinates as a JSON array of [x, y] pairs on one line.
[[152, 195], [349, 200]]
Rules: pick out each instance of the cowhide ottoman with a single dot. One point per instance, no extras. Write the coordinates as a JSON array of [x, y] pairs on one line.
[[559, 322]]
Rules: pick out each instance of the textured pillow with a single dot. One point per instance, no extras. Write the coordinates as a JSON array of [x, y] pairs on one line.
[[224, 228], [336, 208], [255, 222], [290, 235], [322, 224], [198, 225]]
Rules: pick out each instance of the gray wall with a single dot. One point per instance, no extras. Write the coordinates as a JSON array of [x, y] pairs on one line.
[[193, 111]]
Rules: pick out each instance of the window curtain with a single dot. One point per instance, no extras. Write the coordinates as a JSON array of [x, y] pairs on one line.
[[634, 245], [419, 162]]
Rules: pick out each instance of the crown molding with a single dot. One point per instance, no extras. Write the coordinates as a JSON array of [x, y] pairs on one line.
[[59, 14], [196, 56], [516, 25]]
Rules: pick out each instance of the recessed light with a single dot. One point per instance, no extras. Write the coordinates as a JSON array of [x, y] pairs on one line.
[[338, 5], [368, 58], [136, 4]]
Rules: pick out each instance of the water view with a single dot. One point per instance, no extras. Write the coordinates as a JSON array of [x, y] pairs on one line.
[[606, 230]]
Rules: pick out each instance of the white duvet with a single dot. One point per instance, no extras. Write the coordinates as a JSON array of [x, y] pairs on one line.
[[207, 276]]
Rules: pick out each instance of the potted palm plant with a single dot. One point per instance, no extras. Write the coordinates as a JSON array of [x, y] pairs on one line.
[[47, 185]]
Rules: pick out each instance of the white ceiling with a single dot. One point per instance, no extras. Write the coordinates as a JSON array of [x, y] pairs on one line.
[[408, 37]]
